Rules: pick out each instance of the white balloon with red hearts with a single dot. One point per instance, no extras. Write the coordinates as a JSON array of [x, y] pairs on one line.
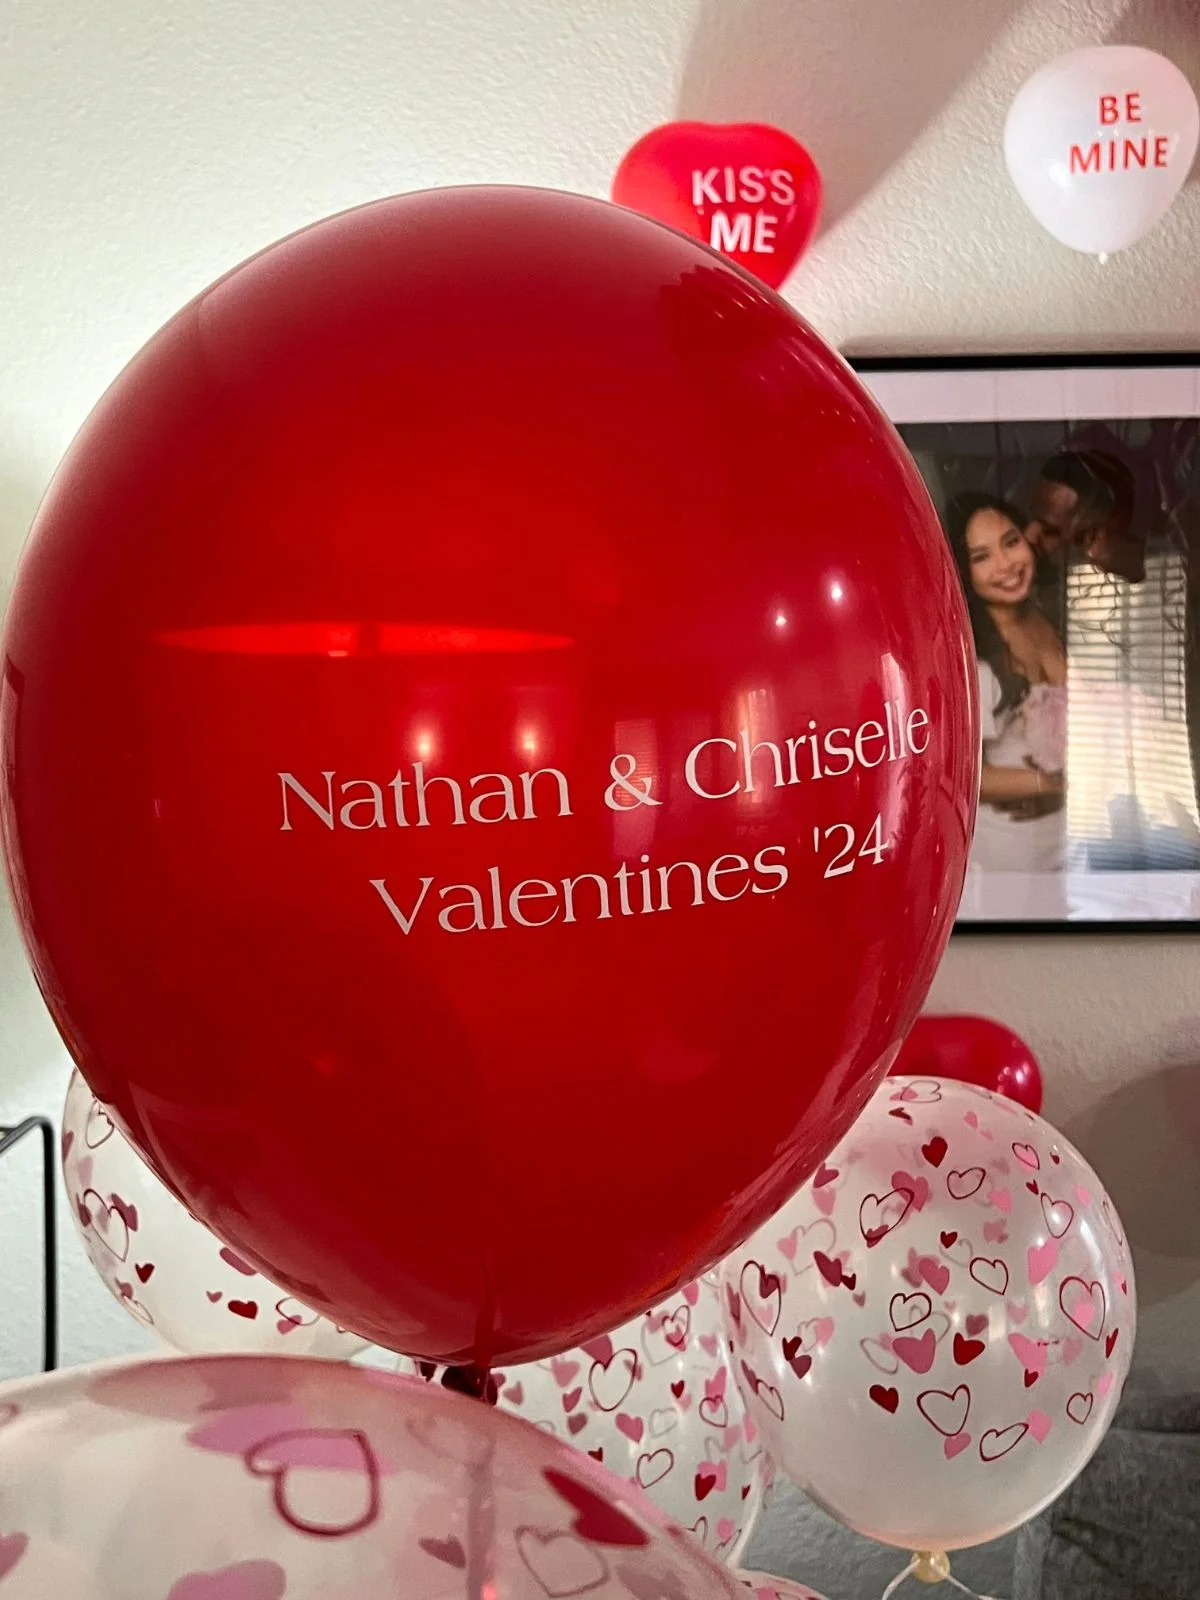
[[1099, 142], [656, 1403], [164, 1267], [933, 1334]]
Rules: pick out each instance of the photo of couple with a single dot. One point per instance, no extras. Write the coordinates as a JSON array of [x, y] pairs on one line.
[[1078, 548]]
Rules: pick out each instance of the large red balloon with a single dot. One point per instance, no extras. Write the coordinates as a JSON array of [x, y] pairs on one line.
[[490, 754]]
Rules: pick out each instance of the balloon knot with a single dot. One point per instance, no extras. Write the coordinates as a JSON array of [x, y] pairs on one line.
[[476, 1382], [931, 1566]]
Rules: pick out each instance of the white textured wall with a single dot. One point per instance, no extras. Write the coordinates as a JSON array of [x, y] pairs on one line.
[[145, 147]]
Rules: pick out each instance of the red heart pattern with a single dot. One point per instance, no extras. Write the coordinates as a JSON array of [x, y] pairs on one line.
[[927, 1309], [677, 1428]]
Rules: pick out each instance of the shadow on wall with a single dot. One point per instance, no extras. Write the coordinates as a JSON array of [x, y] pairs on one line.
[[856, 84], [1144, 1141], [1172, 27]]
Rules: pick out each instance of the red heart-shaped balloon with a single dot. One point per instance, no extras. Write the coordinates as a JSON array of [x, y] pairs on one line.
[[748, 190]]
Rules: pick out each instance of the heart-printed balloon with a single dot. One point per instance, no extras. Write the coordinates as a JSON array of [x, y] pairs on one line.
[[1099, 142], [165, 1268], [748, 190], [266, 1477], [976, 1383], [656, 1402]]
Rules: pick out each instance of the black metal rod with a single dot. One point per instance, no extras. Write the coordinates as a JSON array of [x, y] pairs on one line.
[[8, 1138]]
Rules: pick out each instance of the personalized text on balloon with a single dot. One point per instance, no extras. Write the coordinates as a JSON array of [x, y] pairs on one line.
[[439, 786], [716, 769]]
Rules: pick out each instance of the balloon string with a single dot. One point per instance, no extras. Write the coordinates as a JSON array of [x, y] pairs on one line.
[[481, 1531], [899, 1580], [916, 1565]]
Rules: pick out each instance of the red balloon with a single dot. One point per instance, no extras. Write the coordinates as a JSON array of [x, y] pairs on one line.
[[750, 191], [973, 1050], [490, 754]]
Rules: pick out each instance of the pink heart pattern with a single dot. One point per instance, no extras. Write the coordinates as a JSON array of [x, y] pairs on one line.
[[325, 1480], [246, 1580], [1083, 1303]]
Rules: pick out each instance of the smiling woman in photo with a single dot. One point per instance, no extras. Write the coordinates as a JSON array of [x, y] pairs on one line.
[[1022, 690]]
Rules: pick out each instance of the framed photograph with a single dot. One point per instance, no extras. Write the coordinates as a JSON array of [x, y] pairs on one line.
[[1069, 492]]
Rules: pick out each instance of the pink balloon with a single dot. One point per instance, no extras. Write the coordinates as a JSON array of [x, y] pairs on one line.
[[934, 1332], [259, 1477], [765, 1587]]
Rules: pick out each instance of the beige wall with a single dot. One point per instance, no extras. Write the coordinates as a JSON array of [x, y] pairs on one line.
[[147, 147]]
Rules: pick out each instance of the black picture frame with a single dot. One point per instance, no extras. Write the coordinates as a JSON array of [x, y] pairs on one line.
[[1114, 373], [46, 1133]]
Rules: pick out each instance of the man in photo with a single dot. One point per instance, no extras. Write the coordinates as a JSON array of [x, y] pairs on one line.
[[1083, 508]]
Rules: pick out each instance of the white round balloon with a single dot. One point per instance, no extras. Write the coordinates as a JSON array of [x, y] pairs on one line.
[[1099, 143], [934, 1332], [162, 1265], [656, 1403]]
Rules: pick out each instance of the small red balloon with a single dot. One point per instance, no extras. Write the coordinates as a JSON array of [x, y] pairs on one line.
[[490, 758], [748, 190], [973, 1050]]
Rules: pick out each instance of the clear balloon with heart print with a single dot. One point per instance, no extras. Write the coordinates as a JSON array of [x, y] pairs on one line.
[[934, 1332], [655, 1402], [165, 1268], [235, 1477]]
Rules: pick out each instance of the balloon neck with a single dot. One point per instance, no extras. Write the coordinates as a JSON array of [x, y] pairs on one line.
[[1102, 257], [475, 1382], [931, 1566]]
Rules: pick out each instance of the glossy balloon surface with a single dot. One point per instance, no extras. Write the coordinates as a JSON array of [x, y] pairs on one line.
[[973, 1050], [162, 1266], [1100, 141], [489, 752], [748, 190]]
